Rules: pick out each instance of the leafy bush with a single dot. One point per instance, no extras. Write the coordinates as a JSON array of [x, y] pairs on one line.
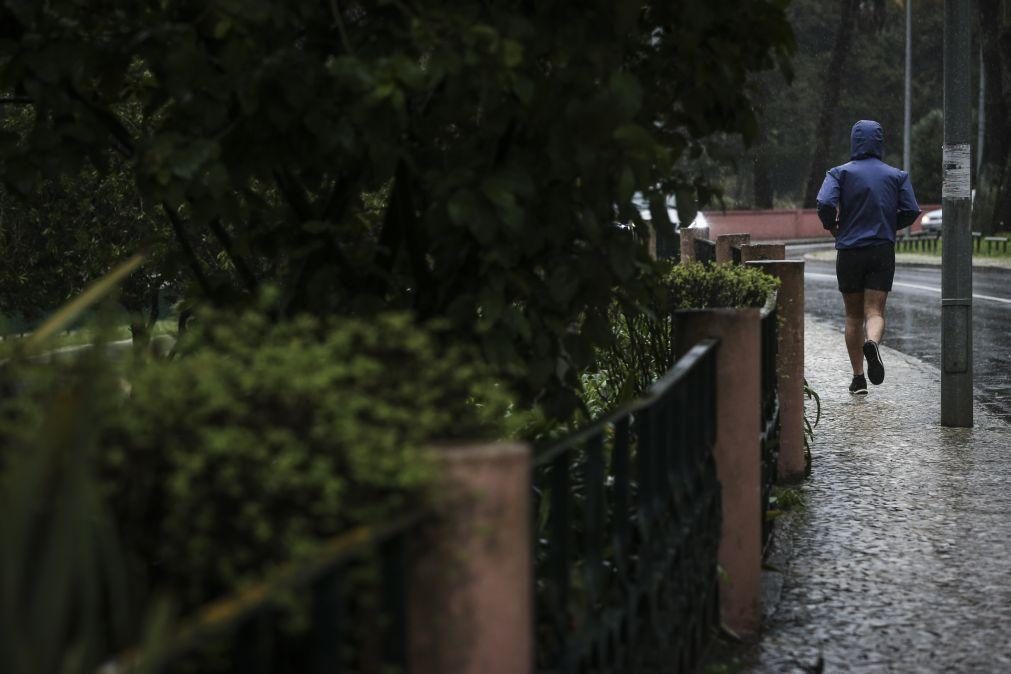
[[642, 350], [262, 438], [694, 285]]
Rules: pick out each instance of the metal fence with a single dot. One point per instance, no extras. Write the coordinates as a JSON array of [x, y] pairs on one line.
[[705, 250], [668, 247], [343, 610], [770, 425], [920, 242], [627, 532]]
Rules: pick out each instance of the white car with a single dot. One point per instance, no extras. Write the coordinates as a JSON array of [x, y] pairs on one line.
[[639, 201], [931, 221]]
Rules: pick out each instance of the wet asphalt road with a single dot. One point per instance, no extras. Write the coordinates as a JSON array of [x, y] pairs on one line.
[[913, 321]]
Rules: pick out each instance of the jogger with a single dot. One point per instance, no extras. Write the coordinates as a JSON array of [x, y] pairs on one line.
[[863, 203]]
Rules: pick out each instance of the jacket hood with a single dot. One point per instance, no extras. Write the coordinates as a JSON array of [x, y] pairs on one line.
[[867, 139]]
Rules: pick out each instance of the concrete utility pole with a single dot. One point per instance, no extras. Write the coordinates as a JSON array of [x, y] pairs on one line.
[[908, 112], [981, 114], [956, 216]]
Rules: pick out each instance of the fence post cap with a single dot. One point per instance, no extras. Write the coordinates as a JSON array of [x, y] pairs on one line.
[[719, 311], [797, 263], [464, 450]]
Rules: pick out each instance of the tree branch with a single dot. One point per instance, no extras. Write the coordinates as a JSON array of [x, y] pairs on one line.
[[338, 19], [293, 194], [248, 277], [392, 235], [194, 262], [123, 140]]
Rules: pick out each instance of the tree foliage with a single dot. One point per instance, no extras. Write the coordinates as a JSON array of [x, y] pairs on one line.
[[870, 86], [928, 136], [992, 205], [465, 160]]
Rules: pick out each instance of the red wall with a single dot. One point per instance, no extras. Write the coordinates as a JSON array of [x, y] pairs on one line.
[[776, 224]]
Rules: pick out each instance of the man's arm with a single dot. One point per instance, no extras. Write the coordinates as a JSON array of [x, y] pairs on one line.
[[909, 210], [828, 203]]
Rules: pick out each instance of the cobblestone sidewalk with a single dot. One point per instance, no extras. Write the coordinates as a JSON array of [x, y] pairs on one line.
[[902, 557]]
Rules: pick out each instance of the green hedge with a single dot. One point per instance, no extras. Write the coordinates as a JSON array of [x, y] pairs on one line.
[[694, 285], [260, 439]]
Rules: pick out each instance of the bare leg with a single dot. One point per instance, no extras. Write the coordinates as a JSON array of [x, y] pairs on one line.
[[855, 330], [874, 310]]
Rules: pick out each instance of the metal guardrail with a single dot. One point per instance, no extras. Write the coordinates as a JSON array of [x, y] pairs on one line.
[[245, 631], [627, 531], [770, 421]]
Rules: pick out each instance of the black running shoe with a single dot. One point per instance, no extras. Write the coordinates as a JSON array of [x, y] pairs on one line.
[[875, 368], [859, 385]]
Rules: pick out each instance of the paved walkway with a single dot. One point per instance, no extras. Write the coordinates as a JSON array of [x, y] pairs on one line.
[[901, 559]]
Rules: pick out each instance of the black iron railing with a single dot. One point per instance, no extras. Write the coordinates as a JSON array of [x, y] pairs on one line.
[[627, 532], [770, 413], [917, 242], [668, 247], [705, 250], [994, 244], [343, 610]]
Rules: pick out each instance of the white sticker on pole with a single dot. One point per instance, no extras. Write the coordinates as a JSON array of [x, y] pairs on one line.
[[956, 171]]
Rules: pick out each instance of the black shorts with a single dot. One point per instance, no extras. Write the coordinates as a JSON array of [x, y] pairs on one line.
[[871, 267]]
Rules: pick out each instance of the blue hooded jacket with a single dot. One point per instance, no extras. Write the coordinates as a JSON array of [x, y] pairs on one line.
[[874, 200]]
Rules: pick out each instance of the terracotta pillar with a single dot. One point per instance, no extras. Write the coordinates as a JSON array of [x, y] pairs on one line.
[[790, 363], [470, 580], [737, 452], [725, 246], [763, 251]]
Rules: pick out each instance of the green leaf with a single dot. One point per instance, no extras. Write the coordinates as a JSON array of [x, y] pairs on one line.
[[512, 53], [463, 208]]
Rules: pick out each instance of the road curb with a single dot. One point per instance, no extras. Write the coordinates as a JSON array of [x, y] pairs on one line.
[[822, 256]]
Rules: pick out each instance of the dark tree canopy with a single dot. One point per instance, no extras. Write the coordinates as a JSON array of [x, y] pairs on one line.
[[797, 131], [464, 159], [992, 205]]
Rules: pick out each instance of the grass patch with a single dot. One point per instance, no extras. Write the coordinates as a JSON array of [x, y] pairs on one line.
[[983, 252], [86, 335], [788, 498]]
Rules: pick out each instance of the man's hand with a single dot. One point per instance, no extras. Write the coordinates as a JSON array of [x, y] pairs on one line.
[[834, 230]]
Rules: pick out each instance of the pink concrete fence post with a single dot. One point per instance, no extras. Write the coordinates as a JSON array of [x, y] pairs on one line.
[[737, 453], [725, 244], [688, 236], [763, 251], [789, 364], [470, 575]]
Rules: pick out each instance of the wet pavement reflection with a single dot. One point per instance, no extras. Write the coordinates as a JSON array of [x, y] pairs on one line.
[[914, 322]]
